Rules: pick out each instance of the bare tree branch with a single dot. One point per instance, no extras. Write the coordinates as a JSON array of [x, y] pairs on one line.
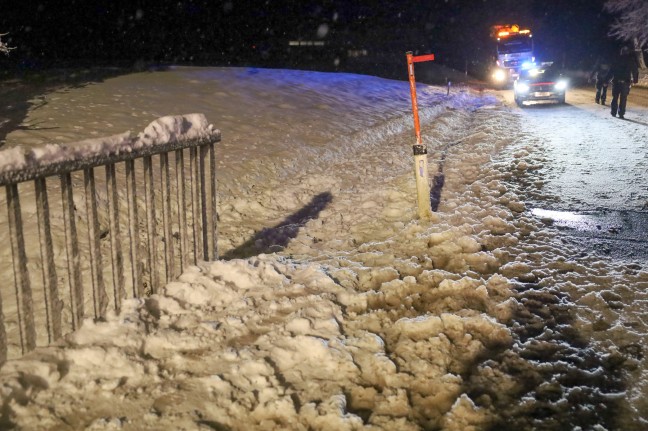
[[3, 46], [632, 20], [631, 24]]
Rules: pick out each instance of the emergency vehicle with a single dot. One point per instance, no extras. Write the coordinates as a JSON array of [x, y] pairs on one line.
[[514, 49]]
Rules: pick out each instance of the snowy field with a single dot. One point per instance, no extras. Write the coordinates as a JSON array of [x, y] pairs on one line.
[[333, 307]]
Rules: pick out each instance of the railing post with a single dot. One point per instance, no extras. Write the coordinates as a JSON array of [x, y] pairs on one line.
[[99, 297], [213, 223], [117, 258], [72, 249], [53, 303], [203, 202], [3, 336], [195, 201], [166, 217], [23, 286], [151, 230], [182, 205], [133, 228]]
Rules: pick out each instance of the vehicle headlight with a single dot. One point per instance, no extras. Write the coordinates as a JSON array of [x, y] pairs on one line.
[[561, 85], [499, 75], [521, 88]]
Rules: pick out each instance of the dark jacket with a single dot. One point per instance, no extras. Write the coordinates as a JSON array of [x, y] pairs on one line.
[[624, 68], [600, 71]]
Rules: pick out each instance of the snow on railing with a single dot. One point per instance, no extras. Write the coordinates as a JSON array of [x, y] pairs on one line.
[[44, 236]]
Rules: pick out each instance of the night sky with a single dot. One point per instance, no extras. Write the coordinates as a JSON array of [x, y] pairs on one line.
[[245, 32]]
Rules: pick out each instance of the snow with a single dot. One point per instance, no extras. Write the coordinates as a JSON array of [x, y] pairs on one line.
[[335, 308], [173, 128], [162, 130]]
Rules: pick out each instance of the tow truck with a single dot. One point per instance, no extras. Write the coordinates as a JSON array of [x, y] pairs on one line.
[[514, 48]]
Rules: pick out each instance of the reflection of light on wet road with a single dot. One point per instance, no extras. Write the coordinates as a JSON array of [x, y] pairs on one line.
[[557, 215], [620, 233], [572, 220]]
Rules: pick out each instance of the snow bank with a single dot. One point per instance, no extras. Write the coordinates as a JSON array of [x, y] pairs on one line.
[[336, 308]]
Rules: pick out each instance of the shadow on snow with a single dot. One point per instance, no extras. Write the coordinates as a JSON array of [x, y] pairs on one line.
[[23, 92], [270, 240]]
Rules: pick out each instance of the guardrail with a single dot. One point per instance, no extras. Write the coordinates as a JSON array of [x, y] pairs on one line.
[[44, 237]]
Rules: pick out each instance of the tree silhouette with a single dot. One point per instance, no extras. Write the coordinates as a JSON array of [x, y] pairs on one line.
[[630, 25]]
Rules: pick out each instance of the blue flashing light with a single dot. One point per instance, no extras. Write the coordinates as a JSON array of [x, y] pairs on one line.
[[528, 65]]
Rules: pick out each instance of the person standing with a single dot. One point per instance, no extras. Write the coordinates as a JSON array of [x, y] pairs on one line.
[[599, 73], [623, 72]]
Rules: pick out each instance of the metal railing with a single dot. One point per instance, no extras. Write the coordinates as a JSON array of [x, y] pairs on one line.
[[44, 236]]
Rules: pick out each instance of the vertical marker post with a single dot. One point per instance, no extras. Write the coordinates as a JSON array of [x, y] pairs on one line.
[[420, 149]]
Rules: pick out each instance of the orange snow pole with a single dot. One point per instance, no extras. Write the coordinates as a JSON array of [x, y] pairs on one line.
[[420, 149]]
